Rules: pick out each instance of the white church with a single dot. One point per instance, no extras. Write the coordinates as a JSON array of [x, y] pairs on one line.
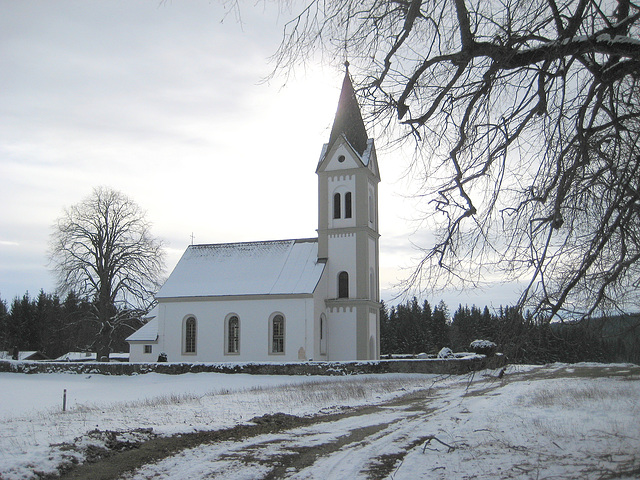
[[286, 300]]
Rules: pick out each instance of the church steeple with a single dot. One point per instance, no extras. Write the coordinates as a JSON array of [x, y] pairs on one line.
[[348, 120], [348, 235]]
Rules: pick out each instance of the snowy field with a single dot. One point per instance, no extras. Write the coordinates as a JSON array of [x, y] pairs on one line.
[[557, 421]]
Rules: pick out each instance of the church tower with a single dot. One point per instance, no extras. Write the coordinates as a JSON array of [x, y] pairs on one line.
[[348, 235]]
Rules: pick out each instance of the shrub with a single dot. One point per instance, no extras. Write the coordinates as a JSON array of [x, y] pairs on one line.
[[483, 347], [446, 352]]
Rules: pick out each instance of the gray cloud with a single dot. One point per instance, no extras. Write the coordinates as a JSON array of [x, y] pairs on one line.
[[163, 101]]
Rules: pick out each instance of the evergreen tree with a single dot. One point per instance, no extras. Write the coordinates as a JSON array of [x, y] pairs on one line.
[[427, 322], [52, 327], [23, 334], [403, 329], [486, 329], [47, 310], [523, 338], [4, 318], [387, 332], [440, 325]]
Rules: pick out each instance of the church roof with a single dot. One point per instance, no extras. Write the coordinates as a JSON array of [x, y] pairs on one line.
[[147, 333], [348, 120], [282, 267]]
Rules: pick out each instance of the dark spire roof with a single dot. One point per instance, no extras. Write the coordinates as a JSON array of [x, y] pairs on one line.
[[348, 118]]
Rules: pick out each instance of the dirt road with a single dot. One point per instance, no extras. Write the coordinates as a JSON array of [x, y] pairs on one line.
[[274, 446]]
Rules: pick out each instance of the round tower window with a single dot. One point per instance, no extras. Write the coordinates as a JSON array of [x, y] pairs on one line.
[[341, 158]]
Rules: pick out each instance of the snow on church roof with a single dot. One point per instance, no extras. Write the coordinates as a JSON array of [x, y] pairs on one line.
[[149, 331], [256, 268]]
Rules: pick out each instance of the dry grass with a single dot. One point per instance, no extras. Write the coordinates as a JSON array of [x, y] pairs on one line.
[[323, 392], [579, 396]]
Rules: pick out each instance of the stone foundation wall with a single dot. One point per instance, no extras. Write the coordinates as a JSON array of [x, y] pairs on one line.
[[454, 366]]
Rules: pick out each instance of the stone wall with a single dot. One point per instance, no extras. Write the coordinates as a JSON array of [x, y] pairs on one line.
[[454, 366]]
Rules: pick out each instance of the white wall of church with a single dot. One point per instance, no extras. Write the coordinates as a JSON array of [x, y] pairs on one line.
[[342, 334], [320, 339], [343, 258], [342, 159], [254, 336], [137, 353]]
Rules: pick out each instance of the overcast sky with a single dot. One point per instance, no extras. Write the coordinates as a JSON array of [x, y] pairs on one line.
[[164, 101]]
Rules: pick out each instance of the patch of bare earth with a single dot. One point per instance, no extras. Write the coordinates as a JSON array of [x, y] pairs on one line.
[[119, 458]]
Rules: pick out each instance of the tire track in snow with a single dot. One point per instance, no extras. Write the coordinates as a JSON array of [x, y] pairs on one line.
[[361, 444]]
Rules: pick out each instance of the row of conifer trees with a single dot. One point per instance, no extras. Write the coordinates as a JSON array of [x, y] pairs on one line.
[[414, 327], [54, 327], [51, 325]]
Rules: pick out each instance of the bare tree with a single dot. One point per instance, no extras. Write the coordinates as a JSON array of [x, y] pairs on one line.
[[103, 250], [526, 115]]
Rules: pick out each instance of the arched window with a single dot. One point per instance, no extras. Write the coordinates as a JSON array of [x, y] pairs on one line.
[[233, 334], [347, 205], [336, 206], [277, 334], [190, 335], [343, 285]]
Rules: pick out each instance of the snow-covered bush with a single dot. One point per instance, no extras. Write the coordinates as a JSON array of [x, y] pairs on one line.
[[446, 352], [483, 347]]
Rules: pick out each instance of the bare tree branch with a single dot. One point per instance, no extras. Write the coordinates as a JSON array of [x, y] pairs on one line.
[[527, 113]]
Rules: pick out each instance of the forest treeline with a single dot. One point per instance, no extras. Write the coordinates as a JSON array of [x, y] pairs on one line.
[[415, 327], [52, 325], [56, 326]]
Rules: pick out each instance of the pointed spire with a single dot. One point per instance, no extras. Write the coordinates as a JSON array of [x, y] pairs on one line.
[[348, 118]]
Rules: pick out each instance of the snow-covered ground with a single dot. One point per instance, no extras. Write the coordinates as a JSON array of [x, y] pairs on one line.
[[31, 417], [557, 421]]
